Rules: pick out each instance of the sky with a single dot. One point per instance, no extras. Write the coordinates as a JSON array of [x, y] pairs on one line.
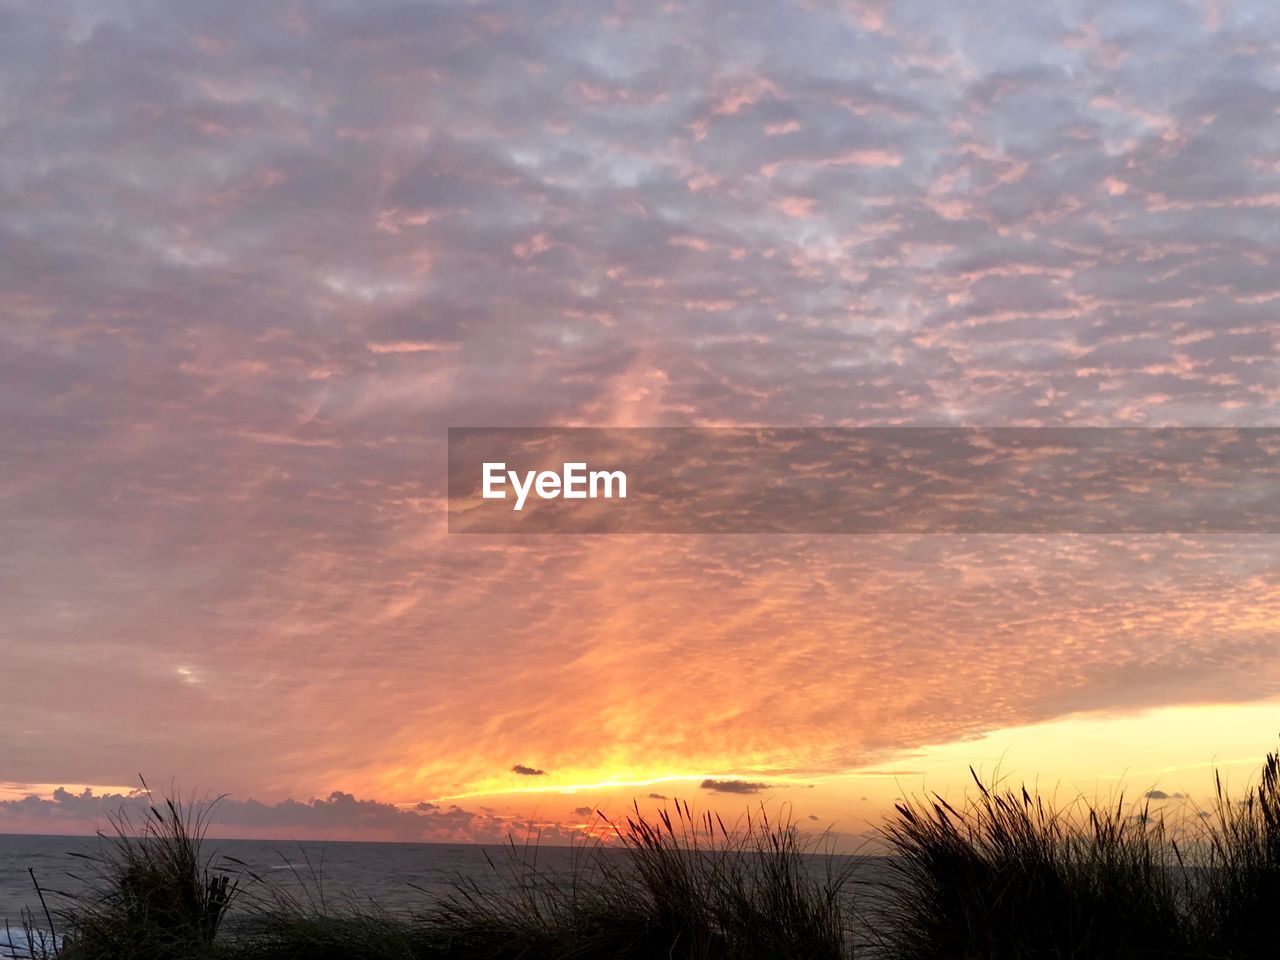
[[258, 257]]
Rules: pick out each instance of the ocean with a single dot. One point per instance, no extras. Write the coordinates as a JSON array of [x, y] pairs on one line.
[[399, 877]]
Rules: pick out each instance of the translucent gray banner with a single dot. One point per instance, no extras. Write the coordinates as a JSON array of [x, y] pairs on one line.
[[864, 480]]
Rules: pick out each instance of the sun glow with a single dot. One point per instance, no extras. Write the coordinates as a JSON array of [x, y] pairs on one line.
[[1089, 754], [614, 783]]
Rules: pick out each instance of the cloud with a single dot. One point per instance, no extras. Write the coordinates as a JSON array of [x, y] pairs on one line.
[[583, 811], [1161, 795], [657, 796], [338, 815], [524, 771], [733, 786], [224, 397]]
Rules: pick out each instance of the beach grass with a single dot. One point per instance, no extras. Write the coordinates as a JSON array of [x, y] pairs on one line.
[[1006, 874], [1002, 874], [149, 894], [1237, 892], [680, 885]]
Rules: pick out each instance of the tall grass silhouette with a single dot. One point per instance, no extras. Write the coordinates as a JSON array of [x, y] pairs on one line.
[[1008, 875], [682, 885], [150, 893], [1003, 874], [1238, 890]]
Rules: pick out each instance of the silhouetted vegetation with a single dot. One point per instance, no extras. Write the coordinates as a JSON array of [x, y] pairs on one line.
[[1002, 875], [688, 886], [1008, 875], [148, 895], [1238, 892]]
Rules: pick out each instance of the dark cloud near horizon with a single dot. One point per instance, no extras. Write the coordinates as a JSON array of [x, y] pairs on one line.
[[338, 815], [733, 786], [1161, 795], [524, 771]]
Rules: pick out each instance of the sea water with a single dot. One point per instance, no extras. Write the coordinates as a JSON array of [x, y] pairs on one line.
[[401, 878], [398, 877]]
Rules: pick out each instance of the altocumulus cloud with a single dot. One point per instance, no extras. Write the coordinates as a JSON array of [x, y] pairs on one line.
[[962, 212]]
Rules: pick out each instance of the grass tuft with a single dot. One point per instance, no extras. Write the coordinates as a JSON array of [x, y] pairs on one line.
[[1238, 886], [681, 885], [1010, 875], [149, 894]]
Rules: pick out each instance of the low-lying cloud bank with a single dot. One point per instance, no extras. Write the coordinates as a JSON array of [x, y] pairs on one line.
[[338, 816]]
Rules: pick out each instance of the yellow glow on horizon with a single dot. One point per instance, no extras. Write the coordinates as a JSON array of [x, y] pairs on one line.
[[1174, 749], [1171, 749], [1123, 747], [613, 784]]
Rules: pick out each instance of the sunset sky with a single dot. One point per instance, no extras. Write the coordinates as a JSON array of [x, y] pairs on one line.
[[257, 257]]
